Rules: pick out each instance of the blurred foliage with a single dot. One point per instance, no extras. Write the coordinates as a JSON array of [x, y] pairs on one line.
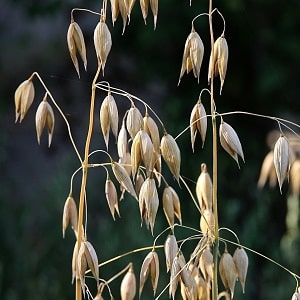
[[262, 77]]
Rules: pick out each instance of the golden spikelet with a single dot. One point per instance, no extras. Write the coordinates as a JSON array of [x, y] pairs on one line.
[[147, 151], [112, 197], [135, 154], [44, 117], [69, 215], [154, 8], [122, 141], [240, 259], [230, 141], [24, 96], [171, 250], [91, 259], [134, 121], [192, 55], [144, 8], [204, 189], [128, 285], [150, 266], [124, 12], [76, 44], [207, 222], [152, 130], [206, 264], [102, 42], [218, 61], [114, 4], [171, 154]]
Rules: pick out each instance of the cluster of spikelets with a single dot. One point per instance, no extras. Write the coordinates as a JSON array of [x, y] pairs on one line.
[[193, 56], [281, 163], [44, 117]]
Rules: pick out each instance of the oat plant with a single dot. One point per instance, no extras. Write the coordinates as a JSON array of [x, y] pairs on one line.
[[144, 148]]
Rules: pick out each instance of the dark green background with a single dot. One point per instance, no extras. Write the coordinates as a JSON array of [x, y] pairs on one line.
[[262, 77]]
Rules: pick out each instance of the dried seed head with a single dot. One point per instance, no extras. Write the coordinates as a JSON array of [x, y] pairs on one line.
[[171, 205], [150, 266], [102, 42], [112, 197], [91, 259], [114, 4], [192, 55], [198, 122], [154, 8], [128, 285], [295, 177], [218, 61], [135, 154], [123, 178], [122, 141], [171, 250], [171, 154], [207, 222], [75, 273], [228, 272], [267, 171], [204, 189], [125, 161], [206, 264], [124, 13], [139, 180], [69, 215], [76, 44], [134, 122], [240, 259], [44, 117], [230, 141], [282, 159], [148, 202], [24, 95], [152, 130], [176, 268], [81, 266], [201, 287], [144, 8], [188, 285]]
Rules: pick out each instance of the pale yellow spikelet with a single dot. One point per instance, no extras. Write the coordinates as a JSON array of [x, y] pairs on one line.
[[204, 189], [218, 61], [102, 42], [171, 205], [124, 12], [135, 154], [201, 287], [69, 215], [139, 180], [105, 120], [207, 223], [157, 166], [112, 197], [122, 141], [282, 159], [144, 8], [228, 272], [75, 273], [147, 151], [171, 250], [230, 141], [295, 177], [152, 130], [92, 259], [176, 267], [154, 8], [134, 121], [123, 178], [82, 266], [267, 171], [150, 266], [198, 122], [206, 264], [128, 285], [76, 44], [188, 285], [125, 161], [24, 96], [44, 117], [192, 55], [114, 4], [240, 259], [171, 154], [113, 115]]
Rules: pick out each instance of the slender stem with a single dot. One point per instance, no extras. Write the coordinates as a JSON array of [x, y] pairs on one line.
[[215, 167], [84, 176]]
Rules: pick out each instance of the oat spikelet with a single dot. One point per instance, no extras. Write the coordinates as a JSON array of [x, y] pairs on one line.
[[135, 154], [198, 122], [112, 197], [123, 178], [177, 266], [114, 4], [24, 95], [240, 259], [192, 55], [228, 272], [282, 159], [134, 121], [91, 259], [124, 13], [122, 141], [171, 205], [171, 154], [69, 215], [204, 189], [296, 295], [230, 141], [44, 117], [207, 222], [102, 42], [154, 8], [295, 177], [171, 250], [81, 266], [144, 8], [76, 44], [152, 130], [150, 266], [267, 171], [218, 60], [206, 264], [128, 285]]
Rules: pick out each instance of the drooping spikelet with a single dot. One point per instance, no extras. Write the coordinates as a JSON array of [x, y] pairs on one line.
[[267, 171], [128, 285], [134, 121], [240, 259], [112, 197], [171, 250], [69, 215], [204, 189]]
